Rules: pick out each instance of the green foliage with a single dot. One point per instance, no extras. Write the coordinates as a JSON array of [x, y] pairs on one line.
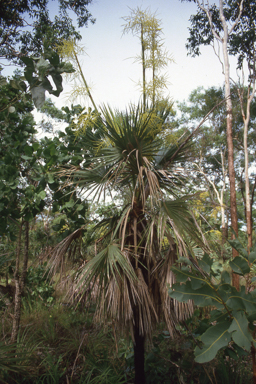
[[62, 341], [27, 165], [11, 361], [18, 155], [242, 40], [54, 370], [234, 311], [37, 73], [211, 160], [38, 285], [24, 26]]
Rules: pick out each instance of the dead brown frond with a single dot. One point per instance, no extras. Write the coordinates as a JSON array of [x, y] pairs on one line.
[[59, 252]]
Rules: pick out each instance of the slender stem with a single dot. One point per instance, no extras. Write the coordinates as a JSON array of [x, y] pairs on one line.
[[25, 260], [85, 82], [143, 67]]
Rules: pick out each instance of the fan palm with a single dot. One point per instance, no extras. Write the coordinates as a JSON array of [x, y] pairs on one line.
[[133, 162]]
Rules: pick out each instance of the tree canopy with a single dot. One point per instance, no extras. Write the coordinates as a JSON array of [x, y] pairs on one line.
[[25, 25]]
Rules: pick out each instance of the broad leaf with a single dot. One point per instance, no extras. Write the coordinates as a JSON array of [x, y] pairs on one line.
[[58, 83], [38, 96], [28, 62], [240, 332], [240, 265], [202, 297], [205, 263], [241, 301], [252, 257], [225, 277], [218, 316], [238, 246], [214, 339], [14, 84], [42, 195], [184, 273]]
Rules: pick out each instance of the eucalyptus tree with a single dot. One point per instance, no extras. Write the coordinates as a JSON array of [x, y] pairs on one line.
[[211, 162], [211, 24], [243, 44], [132, 162]]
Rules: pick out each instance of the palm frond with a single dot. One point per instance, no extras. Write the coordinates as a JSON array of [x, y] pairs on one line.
[[182, 221], [57, 257], [111, 262]]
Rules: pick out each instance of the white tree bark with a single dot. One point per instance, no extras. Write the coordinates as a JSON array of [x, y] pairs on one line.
[[224, 43]]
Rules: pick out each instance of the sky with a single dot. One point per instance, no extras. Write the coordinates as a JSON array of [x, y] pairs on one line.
[[109, 66]]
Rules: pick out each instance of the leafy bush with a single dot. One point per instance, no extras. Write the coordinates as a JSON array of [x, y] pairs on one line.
[[38, 286], [230, 323]]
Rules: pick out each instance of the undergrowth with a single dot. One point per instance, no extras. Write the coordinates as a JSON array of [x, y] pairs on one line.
[[61, 344]]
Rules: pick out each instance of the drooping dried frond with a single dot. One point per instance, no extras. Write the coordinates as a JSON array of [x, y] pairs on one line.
[[59, 252], [110, 263], [173, 311]]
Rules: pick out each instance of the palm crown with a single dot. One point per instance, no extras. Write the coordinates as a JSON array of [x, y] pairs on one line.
[[133, 161]]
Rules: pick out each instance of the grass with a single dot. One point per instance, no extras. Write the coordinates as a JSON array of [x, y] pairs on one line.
[[60, 344]]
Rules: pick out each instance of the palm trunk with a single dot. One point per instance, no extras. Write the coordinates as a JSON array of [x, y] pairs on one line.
[[139, 354]]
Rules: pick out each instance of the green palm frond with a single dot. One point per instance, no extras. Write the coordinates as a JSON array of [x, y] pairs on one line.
[[182, 221], [173, 153]]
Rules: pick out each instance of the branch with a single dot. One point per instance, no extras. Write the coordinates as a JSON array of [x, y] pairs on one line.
[[209, 181], [196, 129], [209, 16], [238, 17]]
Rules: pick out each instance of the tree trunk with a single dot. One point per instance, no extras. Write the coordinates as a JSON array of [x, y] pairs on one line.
[[231, 168], [222, 195], [25, 260], [246, 120], [247, 186], [17, 297], [139, 352]]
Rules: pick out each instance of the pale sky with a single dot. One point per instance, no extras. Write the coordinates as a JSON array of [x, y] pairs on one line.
[[109, 67]]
